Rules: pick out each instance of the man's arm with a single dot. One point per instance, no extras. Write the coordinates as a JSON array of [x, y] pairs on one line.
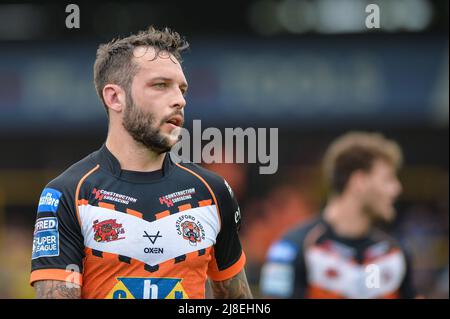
[[407, 289], [233, 288], [56, 289], [284, 273], [57, 224]]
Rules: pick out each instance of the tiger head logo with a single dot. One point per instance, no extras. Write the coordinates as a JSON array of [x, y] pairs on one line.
[[191, 232]]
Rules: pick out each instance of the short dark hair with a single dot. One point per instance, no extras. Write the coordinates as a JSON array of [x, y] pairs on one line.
[[113, 63], [357, 151]]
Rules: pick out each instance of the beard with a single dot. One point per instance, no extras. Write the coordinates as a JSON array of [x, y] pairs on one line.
[[144, 128]]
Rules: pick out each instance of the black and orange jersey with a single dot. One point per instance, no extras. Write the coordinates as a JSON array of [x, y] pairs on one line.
[[312, 261], [126, 234]]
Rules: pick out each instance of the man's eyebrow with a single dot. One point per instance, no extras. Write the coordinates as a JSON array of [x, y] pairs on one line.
[[162, 78]]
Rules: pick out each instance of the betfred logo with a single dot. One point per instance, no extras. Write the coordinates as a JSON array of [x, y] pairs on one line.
[[42, 224], [46, 238]]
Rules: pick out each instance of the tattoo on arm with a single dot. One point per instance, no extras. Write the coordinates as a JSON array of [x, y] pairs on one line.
[[55, 289], [233, 288]]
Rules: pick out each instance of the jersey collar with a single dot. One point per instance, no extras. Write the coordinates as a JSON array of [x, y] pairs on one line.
[[109, 162]]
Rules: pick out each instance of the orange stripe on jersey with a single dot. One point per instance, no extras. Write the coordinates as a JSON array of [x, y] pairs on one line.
[[83, 202], [162, 214], [207, 186], [107, 255], [220, 275], [101, 276], [191, 255], [77, 192], [184, 207], [134, 213], [56, 274], [392, 295], [205, 202], [107, 205], [315, 292]]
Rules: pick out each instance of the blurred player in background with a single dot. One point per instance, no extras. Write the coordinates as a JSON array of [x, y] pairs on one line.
[[127, 221], [343, 254]]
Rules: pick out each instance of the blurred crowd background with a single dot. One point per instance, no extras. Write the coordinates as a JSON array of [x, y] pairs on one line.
[[310, 68]]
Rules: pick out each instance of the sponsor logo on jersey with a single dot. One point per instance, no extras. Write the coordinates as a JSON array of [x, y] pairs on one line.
[[331, 273], [49, 200], [107, 230], [148, 288], [277, 279], [190, 228], [46, 238], [173, 198], [101, 194], [283, 251], [47, 223], [229, 188], [153, 239], [237, 216]]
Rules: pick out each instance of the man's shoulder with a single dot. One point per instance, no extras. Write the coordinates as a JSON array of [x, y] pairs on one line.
[[70, 177], [299, 233], [217, 183], [380, 236], [290, 245]]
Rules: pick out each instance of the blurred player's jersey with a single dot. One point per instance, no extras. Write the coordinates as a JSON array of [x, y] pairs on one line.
[[125, 234], [313, 262]]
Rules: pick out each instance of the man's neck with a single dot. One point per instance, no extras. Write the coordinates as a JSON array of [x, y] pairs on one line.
[[133, 156], [347, 218]]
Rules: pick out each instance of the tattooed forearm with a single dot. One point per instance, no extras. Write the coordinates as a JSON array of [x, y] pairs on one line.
[[54, 289], [234, 288]]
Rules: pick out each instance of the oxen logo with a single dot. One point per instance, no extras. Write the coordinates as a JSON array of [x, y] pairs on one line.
[[107, 230]]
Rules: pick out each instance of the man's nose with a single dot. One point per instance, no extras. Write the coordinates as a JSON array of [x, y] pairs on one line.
[[179, 101]]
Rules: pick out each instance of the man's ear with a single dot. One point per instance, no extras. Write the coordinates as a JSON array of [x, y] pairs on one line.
[[114, 97], [358, 181]]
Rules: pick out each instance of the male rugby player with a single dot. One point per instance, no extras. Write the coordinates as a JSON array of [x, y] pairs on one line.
[[343, 254], [127, 221]]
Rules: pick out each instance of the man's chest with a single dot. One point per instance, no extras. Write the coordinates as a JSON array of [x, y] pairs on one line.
[[151, 223], [336, 269]]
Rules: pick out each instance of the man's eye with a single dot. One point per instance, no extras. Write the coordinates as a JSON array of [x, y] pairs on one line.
[[160, 85]]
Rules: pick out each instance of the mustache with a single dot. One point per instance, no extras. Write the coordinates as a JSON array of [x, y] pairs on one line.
[[179, 112]]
